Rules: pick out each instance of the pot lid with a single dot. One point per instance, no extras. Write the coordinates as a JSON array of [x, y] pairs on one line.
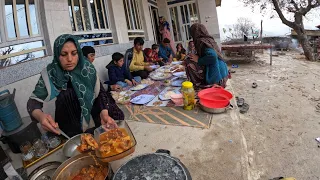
[[155, 166]]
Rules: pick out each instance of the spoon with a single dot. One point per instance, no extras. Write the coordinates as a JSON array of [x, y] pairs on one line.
[[63, 134]]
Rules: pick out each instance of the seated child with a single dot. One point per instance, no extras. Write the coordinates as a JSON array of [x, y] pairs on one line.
[[149, 55], [155, 54], [181, 53], [118, 74], [89, 53]]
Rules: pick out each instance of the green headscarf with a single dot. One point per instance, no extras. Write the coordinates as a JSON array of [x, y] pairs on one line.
[[83, 79]]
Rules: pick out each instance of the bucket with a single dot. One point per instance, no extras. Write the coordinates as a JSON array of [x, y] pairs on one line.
[[10, 118]]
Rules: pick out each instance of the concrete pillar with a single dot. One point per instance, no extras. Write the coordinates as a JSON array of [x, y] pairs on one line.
[[163, 9], [209, 17], [146, 20], [57, 19], [119, 27]]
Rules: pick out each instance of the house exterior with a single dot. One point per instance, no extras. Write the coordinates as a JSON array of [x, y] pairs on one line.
[[28, 29]]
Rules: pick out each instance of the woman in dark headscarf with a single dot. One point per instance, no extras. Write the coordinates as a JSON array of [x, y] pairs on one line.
[[73, 80], [164, 29], [207, 67]]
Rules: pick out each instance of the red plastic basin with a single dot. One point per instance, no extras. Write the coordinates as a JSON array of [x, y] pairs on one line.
[[217, 97]]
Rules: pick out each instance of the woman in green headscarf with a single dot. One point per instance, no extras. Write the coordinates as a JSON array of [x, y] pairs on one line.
[[82, 102]]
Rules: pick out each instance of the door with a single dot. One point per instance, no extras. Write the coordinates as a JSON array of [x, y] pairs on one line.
[[154, 15], [182, 17]]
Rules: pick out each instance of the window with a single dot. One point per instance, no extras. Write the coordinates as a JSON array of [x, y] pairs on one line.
[[90, 21], [133, 17], [20, 34]]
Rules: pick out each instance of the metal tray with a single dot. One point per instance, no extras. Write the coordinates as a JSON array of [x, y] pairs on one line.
[[51, 151]]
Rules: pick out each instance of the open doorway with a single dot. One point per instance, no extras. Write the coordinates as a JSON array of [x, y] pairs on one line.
[[154, 15], [183, 15]]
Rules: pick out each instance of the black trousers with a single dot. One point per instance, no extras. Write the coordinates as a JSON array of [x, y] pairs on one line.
[[142, 73]]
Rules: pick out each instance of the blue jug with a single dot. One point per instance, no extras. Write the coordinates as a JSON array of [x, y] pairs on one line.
[[10, 118]]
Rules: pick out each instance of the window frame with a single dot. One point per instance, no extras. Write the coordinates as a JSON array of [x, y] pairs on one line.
[[135, 26], [6, 41], [106, 18]]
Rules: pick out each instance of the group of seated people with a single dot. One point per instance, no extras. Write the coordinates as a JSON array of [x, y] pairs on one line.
[[129, 69], [82, 103]]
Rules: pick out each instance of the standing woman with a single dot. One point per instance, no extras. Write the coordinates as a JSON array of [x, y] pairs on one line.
[[207, 67], [164, 29], [73, 80]]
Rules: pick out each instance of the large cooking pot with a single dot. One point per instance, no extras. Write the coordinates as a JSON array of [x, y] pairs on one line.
[[73, 166], [156, 166], [216, 96]]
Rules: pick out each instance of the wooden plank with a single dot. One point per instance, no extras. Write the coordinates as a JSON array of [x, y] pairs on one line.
[[128, 16], [94, 39], [246, 46], [15, 18], [22, 52], [28, 18], [74, 16], [82, 16], [106, 26], [97, 15]]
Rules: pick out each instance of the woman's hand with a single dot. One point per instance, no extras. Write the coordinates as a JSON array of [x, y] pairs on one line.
[[106, 120], [134, 82], [194, 57], [46, 121]]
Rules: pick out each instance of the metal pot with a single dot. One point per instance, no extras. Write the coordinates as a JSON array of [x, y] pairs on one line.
[[157, 166], [44, 171], [216, 110], [73, 166]]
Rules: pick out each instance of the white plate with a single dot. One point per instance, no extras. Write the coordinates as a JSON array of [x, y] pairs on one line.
[[159, 75], [180, 74], [154, 66], [139, 87], [177, 83], [142, 99], [176, 62], [162, 95]]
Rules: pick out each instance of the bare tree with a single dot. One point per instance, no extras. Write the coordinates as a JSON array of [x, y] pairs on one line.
[[298, 9], [243, 27], [19, 59], [6, 62]]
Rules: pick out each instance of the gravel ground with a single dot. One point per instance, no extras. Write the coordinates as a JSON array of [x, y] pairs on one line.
[[281, 126]]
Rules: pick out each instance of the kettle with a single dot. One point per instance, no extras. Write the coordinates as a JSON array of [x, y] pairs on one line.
[[10, 118]]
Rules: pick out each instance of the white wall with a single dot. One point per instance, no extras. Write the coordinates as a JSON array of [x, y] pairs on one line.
[[146, 20], [209, 17], [120, 24], [57, 19]]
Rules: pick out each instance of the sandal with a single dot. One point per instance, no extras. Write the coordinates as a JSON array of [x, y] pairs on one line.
[[244, 108], [240, 101], [254, 85]]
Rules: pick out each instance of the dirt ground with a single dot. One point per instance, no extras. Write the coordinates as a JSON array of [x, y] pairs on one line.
[[276, 137], [281, 126]]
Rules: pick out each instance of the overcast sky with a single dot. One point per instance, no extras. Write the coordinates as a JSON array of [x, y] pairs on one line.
[[231, 10]]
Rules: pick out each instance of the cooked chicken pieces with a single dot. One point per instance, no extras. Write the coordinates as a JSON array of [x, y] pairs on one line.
[[114, 142], [87, 143]]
